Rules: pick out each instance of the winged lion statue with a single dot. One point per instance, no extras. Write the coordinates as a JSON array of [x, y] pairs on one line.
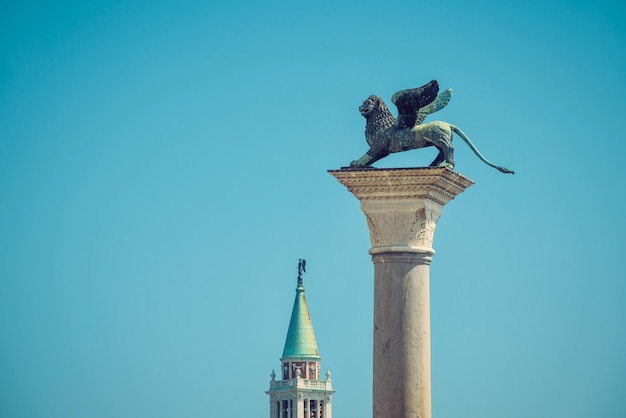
[[386, 134]]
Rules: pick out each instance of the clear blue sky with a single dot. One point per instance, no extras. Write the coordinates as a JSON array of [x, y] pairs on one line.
[[163, 167]]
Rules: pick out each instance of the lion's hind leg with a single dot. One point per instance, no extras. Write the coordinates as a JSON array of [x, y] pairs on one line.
[[441, 138]]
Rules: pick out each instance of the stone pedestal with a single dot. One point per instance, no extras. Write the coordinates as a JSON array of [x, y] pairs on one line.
[[402, 207]]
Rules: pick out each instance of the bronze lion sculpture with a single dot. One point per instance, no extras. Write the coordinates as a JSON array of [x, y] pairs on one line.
[[386, 134]]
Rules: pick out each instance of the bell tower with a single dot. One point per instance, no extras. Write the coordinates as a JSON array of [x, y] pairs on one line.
[[300, 392]]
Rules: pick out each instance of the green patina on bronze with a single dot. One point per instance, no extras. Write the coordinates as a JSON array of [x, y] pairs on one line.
[[386, 134], [300, 342]]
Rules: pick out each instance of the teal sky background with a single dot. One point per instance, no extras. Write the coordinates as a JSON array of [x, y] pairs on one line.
[[163, 168]]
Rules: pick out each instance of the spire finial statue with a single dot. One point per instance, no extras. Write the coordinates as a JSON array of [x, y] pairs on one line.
[[301, 269]]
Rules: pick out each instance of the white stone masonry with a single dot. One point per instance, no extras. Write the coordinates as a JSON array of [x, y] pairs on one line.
[[402, 207]]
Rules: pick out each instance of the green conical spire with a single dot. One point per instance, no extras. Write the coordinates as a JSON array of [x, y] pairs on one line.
[[300, 341]]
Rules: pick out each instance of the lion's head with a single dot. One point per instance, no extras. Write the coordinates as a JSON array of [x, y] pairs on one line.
[[371, 105]]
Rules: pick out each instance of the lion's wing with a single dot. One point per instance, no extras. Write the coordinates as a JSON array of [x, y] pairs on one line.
[[410, 101], [439, 103]]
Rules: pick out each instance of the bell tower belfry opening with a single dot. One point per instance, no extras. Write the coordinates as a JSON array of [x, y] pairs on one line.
[[300, 392]]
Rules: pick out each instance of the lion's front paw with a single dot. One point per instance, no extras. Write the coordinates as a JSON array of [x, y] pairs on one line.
[[361, 162]]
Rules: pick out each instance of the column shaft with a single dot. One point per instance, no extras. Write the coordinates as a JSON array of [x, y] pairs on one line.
[[401, 336]]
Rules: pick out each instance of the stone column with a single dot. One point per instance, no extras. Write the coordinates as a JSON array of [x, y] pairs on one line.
[[327, 408], [402, 207]]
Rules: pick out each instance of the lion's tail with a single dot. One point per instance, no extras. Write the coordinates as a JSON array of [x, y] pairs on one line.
[[478, 154]]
